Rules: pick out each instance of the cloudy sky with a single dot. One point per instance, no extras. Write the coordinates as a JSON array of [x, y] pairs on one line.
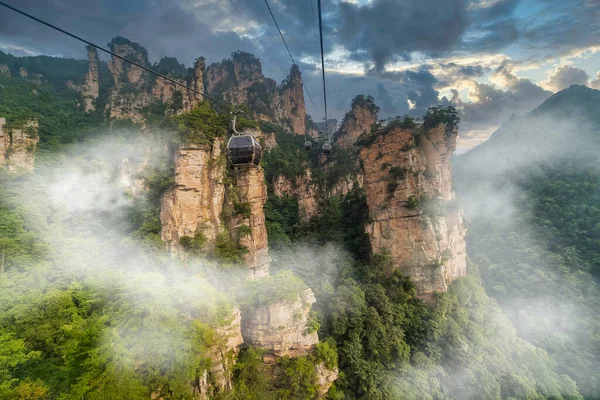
[[492, 58]]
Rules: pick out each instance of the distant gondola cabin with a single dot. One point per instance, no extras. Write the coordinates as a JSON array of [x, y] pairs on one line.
[[244, 150], [327, 149]]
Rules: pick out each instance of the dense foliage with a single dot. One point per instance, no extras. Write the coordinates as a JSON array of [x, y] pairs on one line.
[[60, 120]]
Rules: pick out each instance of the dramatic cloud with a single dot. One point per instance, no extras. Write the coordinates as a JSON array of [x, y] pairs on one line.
[[388, 30], [595, 84], [405, 53], [565, 76], [385, 100], [491, 106], [419, 86], [560, 27]]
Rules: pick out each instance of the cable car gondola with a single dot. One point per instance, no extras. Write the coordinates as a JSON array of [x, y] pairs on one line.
[[243, 149], [307, 145], [327, 148]]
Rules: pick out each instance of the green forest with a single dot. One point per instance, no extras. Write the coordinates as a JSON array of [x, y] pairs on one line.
[[93, 307]]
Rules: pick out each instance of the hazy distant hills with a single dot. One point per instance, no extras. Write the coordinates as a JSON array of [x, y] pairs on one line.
[[567, 121], [532, 197]]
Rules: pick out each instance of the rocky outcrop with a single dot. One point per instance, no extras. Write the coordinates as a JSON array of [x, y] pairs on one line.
[[4, 141], [135, 89], [345, 185], [196, 82], [130, 90], [193, 207], [281, 328], [359, 120], [251, 192], [325, 378], [4, 70], [231, 79], [91, 87], [308, 192], [218, 378], [303, 189], [290, 109], [240, 80], [18, 145], [269, 141], [33, 77], [408, 185]]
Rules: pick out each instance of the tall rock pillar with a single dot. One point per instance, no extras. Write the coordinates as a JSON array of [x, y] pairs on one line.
[[290, 109], [357, 121], [91, 88], [408, 184], [248, 226], [18, 145], [193, 207]]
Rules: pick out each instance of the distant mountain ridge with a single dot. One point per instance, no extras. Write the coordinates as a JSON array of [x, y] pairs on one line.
[[532, 195]]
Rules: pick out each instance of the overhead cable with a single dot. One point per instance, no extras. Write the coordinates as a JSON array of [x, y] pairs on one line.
[[323, 65], [289, 52], [115, 55]]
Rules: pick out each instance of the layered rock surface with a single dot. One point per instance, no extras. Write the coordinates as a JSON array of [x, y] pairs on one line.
[[18, 146], [290, 109], [251, 190], [218, 378], [411, 203], [356, 122], [231, 79], [240, 80], [281, 327], [91, 87], [303, 189], [135, 89], [194, 205]]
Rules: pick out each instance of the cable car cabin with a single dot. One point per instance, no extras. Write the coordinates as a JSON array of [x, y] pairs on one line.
[[327, 149], [244, 150], [307, 145]]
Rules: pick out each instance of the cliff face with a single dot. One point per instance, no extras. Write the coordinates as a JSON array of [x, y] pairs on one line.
[[304, 190], [18, 146], [290, 109], [218, 378], [407, 180], [208, 199], [359, 120], [281, 328], [240, 80], [196, 82], [134, 89], [91, 87], [251, 191], [129, 94], [231, 79], [194, 205]]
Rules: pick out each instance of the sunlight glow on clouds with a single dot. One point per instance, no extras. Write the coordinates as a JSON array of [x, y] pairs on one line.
[[491, 58]]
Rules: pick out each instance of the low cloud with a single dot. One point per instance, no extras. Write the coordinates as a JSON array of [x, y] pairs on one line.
[[492, 105], [565, 76], [595, 84]]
